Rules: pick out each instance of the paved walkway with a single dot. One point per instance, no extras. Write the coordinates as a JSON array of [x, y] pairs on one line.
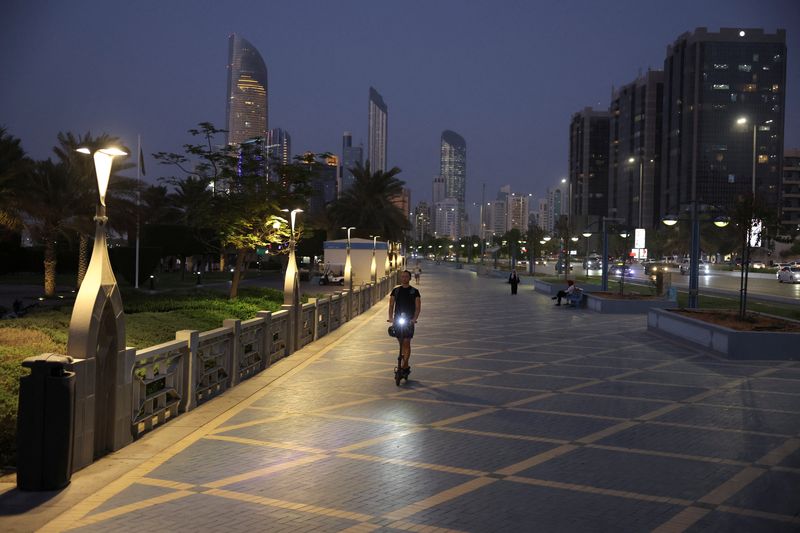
[[520, 416]]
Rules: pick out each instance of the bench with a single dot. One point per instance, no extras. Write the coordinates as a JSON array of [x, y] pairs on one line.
[[575, 299]]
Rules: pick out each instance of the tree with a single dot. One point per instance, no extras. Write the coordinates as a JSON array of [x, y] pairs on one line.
[[226, 193], [564, 232], [81, 173], [367, 204], [47, 206], [13, 164]]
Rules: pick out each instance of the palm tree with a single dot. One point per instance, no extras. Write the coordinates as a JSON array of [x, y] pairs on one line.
[[367, 205], [13, 164], [82, 175], [47, 209]]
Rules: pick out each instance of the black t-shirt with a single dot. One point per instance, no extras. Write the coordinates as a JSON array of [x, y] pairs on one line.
[[405, 300]]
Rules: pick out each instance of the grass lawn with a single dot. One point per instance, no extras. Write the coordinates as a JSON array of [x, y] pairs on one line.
[[149, 320]]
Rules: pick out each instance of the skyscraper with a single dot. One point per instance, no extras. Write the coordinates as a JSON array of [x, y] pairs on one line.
[[280, 146], [378, 131], [635, 151], [246, 109], [351, 156], [453, 168], [438, 194], [587, 189], [710, 81]]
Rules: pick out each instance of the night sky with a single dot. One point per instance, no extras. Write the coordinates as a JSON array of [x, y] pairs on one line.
[[506, 75]]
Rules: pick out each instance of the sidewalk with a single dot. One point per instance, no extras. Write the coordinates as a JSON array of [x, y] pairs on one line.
[[519, 416]]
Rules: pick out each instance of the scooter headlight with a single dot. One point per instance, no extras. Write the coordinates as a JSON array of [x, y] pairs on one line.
[[401, 321]]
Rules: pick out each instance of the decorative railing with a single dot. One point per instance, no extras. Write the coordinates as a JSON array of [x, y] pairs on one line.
[[214, 363], [157, 385], [176, 376]]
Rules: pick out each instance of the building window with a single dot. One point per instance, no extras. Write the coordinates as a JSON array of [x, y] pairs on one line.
[[776, 88], [721, 87], [763, 158], [749, 87], [731, 178], [720, 66], [733, 97], [745, 68]]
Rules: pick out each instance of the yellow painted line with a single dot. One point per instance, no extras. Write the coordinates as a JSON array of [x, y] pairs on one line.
[[595, 490], [267, 444], [530, 399], [759, 514], [732, 486], [579, 385], [275, 418], [363, 419], [378, 440], [569, 413], [537, 459], [438, 499], [660, 411], [461, 418], [124, 509], [682, 521], [165, 483], [588, 439], [712, 428], [420, 528], [502, 435], [265, 471], [671, 455], [415, 464], [780, 453], [363, 527], [282, 504], [80, 510]]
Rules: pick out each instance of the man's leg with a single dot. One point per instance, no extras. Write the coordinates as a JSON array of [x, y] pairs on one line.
[[406, 352]]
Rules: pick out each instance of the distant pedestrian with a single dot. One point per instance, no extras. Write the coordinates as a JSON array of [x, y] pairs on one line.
[[417, 273], [513, 279]]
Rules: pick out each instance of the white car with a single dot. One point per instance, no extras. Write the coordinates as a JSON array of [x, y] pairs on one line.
[[702, 268], [789, 275], [758, 265]]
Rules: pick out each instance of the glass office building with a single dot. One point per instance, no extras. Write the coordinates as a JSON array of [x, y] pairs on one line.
[[246, 111], [453, 170]]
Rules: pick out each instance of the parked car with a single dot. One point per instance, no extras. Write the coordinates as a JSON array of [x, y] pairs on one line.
[[330, 278], [758, 265], [789, 275], [593, 262], [651, 267], [703, 267], [620, 269]]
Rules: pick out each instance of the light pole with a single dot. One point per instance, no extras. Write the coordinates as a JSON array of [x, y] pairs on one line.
[[742, 121], [694, 258], [291, 284], [97, 325], [641, 187], [604, 274], [373, 268], [348, 269]]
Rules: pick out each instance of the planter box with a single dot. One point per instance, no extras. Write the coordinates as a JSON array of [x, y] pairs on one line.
[[613, 305], [733, 344]]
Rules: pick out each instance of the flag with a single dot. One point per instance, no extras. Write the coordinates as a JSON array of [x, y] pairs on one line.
[[141, 161]]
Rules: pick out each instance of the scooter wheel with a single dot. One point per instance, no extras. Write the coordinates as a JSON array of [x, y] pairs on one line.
[[397, 377]]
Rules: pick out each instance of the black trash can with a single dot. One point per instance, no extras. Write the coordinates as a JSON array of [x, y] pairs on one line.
[[45, 423]]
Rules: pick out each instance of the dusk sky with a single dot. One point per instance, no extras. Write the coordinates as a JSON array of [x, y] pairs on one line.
[[506, 75]]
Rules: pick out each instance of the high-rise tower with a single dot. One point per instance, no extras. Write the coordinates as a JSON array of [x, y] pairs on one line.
[[453, 168], [587, 188], [711, 80], [246, 109], [378, 131]]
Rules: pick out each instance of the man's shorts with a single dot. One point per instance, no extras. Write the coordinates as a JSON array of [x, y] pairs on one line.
[[407, 331]]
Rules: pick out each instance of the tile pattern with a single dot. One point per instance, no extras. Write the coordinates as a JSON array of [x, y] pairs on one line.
[[519, 416]]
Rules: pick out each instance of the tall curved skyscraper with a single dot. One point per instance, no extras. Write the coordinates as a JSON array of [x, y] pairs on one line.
[[453, 168], [246, 110], [378, 131]]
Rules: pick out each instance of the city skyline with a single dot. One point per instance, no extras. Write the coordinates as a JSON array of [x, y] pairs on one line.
[[508, 94]]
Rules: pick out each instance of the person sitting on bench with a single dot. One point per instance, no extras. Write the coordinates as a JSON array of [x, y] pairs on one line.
[[571, 288]]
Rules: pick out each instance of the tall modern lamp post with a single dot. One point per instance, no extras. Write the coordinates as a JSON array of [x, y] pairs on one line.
[[741, 121], [291, 284], [97, 326], [348, 268], [694, 258]]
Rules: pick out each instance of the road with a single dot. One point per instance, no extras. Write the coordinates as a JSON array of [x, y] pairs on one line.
[[721, 282]]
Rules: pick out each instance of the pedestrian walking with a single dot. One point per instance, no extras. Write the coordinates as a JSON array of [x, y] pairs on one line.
[[513, 279]]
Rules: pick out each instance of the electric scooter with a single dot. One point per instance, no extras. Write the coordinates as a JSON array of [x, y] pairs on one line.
[[400, 328]]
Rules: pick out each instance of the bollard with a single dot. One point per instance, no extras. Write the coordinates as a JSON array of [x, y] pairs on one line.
[[45, 423]]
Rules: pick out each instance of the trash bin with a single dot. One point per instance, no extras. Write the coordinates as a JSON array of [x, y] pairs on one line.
[[45, 423]]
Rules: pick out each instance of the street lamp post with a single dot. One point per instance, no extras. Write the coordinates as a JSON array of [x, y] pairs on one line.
[[694, 258], [97, 330], [291, 284]]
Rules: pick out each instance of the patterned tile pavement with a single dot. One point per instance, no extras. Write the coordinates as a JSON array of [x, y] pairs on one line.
[[520, 416]]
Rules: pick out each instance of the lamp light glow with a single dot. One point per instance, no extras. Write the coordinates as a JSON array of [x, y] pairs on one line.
[[670, 220]]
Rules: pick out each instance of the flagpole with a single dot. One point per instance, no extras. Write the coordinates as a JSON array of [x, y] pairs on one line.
[[138, 199]]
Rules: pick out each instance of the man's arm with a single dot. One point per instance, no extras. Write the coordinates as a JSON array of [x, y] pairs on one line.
[[417, 308], [391, 308]]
